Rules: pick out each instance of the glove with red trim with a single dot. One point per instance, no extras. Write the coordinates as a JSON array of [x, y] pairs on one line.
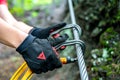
[[39, 54], [44, 33]]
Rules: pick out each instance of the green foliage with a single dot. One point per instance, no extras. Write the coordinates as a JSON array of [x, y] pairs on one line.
[[29, 4], [101, 21], [20, 7], [34, 14], [99, 14], [16, 7], [106, 59], [107, 35]]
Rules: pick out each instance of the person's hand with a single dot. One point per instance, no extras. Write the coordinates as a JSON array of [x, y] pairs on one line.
[[44, 33], [39, 53]]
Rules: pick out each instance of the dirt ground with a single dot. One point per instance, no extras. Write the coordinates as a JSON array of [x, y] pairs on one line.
[[10, 60]]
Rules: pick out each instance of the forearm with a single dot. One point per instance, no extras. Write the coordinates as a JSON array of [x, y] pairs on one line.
[[4, 14], [9, 18], [10, 36], [22, 26]]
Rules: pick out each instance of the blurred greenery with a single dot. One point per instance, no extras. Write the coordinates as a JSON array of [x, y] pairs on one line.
[[100, 19], [18, 7]]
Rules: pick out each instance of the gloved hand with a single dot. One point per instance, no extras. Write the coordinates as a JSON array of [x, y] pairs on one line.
[[44, 33], [39, 54]]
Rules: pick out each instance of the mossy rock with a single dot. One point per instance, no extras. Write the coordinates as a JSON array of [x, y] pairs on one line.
[[108, 37]]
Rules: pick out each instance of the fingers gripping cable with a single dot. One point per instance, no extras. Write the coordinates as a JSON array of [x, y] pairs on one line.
[[79, 45], [27, 73]]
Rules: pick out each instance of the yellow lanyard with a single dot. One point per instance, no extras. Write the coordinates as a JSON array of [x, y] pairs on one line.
[[22, 70]]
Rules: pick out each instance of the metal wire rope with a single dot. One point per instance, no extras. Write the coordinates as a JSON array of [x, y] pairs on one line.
[[81, 62]]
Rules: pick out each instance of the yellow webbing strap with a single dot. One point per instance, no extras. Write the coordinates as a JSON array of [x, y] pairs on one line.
[[27, 75], [24, 71], [20, 71]]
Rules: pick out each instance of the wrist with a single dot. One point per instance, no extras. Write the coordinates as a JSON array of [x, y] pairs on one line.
[[26, 29], [19, 41], [25, 43]]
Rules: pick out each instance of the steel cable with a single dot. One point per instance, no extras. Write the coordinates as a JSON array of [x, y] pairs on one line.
[[81, 62]]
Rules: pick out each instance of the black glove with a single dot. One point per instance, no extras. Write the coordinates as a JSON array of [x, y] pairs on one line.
[[39, 54], [58, 40], [44, 33]]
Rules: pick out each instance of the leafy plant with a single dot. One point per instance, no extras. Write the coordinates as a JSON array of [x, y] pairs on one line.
[[19, 7]]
